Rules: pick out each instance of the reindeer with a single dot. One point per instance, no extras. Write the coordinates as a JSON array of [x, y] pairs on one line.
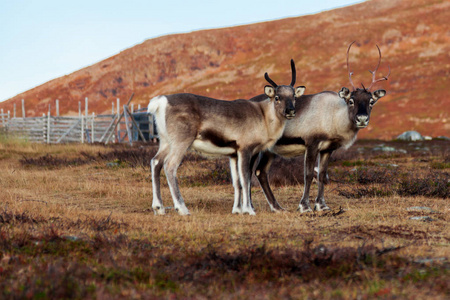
[[238, 129], [324, 122]]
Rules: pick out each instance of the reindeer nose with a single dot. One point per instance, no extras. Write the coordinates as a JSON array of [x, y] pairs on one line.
[[289, 112], [362, 120]]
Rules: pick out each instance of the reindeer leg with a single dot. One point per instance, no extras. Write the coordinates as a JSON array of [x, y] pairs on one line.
[[171, 165], [243, 161], [252, 167], [262, 173], [324, 158], [156, 165], [237, 206], [310, 159]]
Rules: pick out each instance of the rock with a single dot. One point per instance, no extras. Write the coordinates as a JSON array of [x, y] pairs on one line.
[[388, 165], [410, 136], [422, 218], [384, 148], [443, 138], [420, 208], [429, 260], [112, 164], [71, 238]]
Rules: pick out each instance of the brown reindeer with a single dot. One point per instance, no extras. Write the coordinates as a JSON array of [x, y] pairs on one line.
[[323, 123], [238, 129]]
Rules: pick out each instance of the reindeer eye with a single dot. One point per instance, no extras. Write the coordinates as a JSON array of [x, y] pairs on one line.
[[372, 102], [277, 98], [351, 102]]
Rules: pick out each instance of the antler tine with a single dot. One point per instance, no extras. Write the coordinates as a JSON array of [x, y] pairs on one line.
[[348, 67], [376, 69], [272, 83], [294, 74]]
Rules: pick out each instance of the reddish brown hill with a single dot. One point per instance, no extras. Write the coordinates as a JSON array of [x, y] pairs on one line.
[[229, 63]]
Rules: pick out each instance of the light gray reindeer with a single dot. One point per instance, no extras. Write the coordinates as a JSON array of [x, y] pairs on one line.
[[238, 129], [323, 123]]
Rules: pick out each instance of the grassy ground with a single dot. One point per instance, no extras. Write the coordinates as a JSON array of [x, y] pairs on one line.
[[75, 222]]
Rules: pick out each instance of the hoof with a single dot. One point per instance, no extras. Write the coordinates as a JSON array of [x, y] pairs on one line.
[[302, 210], [158, 210], [236, 211], [249, 211], [277, 210], [321, 207], [182, 211]]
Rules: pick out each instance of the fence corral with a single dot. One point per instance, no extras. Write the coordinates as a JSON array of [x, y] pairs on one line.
[[128, 126]]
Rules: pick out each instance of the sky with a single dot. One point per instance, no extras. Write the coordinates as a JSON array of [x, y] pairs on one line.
[[44, 39]]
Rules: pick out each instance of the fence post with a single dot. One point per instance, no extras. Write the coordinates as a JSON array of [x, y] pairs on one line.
[[86, 107], [44, 128], [14, 110], [92, 129], [3, 117], [23, 108], [82, 123], [118, 122], [57, 107], [48, 127], [86, 118]]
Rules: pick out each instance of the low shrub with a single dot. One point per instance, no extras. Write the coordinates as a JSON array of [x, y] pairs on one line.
[[433, 184]]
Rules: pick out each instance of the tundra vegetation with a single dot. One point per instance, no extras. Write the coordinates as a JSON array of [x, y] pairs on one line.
[[76, 222]]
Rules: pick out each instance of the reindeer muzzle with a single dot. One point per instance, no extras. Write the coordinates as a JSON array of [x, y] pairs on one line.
[[362, 121], [289, 113]]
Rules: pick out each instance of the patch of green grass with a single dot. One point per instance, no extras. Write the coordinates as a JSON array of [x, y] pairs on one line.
[[440, 165], [354, 163]]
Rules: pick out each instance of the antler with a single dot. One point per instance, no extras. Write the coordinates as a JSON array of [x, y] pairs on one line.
[[348, 67], [375, 71], [294, 74], [272, 83]]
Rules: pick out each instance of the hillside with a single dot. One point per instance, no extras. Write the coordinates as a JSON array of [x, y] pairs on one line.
[[229, 63]]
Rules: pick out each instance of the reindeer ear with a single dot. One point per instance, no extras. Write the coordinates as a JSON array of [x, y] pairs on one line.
[[345, 93], [299, 91], [378, 94], [269, 91]]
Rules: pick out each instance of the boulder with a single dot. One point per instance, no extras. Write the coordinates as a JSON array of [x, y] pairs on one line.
[[410, 136], [443, 138]]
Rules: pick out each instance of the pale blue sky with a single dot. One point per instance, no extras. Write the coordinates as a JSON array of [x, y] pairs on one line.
[[44, 39]]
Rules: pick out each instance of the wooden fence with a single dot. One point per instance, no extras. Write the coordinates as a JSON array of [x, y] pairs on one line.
[[127, 126]]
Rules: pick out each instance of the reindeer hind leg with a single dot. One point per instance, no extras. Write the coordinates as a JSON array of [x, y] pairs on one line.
[[156, 165], [171, 165]]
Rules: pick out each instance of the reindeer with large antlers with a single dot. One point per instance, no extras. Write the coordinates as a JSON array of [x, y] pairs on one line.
[[238, 129], [323, 123]]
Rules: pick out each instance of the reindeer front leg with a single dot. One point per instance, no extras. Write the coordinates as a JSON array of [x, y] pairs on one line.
[[237, 206], [243, 161], [324, 158], [310, 159], [262, 173]]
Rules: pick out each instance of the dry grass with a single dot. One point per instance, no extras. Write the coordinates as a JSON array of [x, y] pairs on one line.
[[75, 222]]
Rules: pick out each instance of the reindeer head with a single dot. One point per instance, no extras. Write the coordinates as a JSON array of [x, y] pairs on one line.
[[283, 96], [360, 101]]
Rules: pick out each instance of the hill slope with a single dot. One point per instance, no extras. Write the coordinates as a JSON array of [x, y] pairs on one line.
[[229, 63]]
